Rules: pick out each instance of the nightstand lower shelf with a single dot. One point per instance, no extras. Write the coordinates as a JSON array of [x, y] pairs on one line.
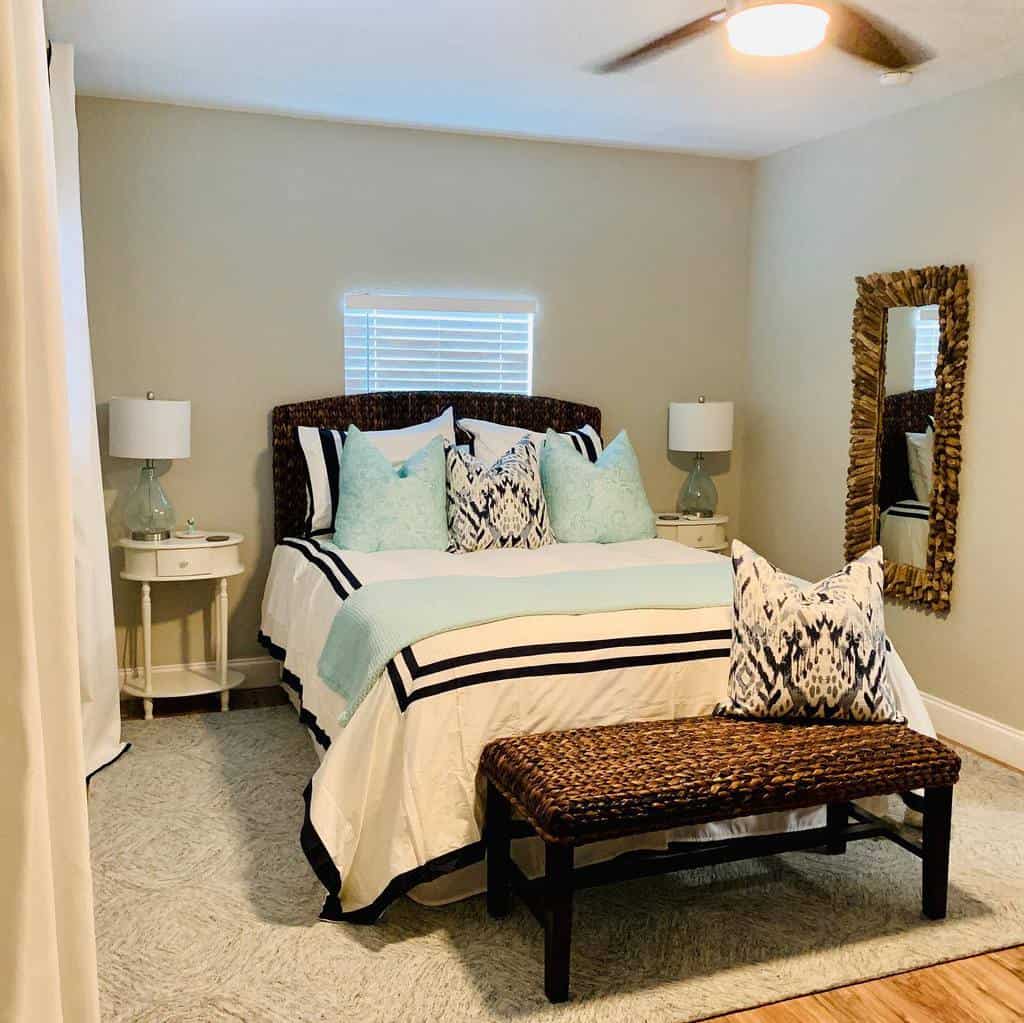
[[184, 682]]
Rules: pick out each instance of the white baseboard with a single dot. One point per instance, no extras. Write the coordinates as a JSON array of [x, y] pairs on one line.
[[985, 735], [259, 671]]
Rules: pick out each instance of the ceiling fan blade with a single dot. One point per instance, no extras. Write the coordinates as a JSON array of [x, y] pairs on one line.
[[863, 36], [665, 42]]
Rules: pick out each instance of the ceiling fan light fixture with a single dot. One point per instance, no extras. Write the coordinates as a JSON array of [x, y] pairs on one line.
[[777, 30]]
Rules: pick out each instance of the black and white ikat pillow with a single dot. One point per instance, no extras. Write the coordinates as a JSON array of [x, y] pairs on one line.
[[496, 505], [809, 651]]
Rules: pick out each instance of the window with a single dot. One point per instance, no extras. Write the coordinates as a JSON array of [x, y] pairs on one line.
[[926, 346], [410, 343]]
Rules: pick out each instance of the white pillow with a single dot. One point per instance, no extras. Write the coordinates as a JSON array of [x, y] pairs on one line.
[[321, 449], [492, 440], [920, 455], [397, 446]]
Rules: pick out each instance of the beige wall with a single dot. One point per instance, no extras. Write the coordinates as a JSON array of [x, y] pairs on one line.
[[219, 246], [941, 184]]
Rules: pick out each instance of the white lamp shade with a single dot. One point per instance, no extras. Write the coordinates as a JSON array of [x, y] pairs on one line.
[[148, 428], [700, 426]]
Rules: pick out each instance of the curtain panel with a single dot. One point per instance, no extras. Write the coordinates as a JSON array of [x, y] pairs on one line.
[[97, 647], [47, 944]]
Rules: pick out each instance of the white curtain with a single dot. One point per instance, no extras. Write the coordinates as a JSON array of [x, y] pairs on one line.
[[47, 944], [97, 648]]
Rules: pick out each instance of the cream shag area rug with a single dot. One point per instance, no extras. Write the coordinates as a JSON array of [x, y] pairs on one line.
[[206, 909]]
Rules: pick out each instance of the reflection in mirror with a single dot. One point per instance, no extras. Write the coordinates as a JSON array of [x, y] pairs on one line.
[[908, 433]]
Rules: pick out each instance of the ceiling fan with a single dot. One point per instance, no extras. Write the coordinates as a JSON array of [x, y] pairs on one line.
[[769, 28]]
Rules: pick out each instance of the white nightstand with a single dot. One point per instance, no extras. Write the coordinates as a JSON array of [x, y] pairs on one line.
[[178, 560], [707, 534]]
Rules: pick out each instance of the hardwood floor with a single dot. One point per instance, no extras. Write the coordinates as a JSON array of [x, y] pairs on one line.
[[983, 989]]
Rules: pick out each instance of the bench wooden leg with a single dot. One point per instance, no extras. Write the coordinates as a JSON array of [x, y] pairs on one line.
[[938, 813], [838, 815], [557, 920], [498, 838]]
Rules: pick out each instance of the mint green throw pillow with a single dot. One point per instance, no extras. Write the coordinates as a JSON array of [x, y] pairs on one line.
[[594, 502], [381, 508]]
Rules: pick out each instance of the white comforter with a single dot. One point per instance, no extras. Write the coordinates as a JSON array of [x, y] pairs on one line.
[[395, 803]]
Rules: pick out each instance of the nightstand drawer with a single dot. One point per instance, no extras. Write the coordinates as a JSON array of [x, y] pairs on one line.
[[699, 534], [708, 534], [189, 561], [181, 559]]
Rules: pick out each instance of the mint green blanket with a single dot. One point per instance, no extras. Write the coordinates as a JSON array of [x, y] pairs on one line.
[[380, 619]]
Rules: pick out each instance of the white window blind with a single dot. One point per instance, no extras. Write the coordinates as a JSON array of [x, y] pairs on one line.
[[412, 343], [926, 346]]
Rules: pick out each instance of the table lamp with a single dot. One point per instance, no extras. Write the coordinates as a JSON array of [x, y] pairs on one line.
[[149, 429], [700, 427]]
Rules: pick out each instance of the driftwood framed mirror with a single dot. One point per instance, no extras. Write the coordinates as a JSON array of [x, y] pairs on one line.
[[910, 332]]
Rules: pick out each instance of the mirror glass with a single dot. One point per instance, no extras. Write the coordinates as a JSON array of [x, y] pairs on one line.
[[908, 433]]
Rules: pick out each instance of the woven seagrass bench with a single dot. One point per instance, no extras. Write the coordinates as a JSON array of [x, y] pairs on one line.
[[585, 785]]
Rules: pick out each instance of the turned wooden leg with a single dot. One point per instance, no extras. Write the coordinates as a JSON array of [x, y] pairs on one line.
[[557, 920], [499, 842], [837, 816], [147, 653], [938, 816], [222, 642]]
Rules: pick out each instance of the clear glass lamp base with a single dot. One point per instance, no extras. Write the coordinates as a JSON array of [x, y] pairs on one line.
[[148, 512], [698, 497]]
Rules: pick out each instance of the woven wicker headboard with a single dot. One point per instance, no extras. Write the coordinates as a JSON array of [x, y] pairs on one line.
[[392, 410], [903, 413]]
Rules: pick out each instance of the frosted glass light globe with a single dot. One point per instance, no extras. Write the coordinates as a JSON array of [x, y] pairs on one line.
[[777, 30]]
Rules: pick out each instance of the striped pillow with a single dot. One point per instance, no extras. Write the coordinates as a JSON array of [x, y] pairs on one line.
[[321, 449], [587, 441]]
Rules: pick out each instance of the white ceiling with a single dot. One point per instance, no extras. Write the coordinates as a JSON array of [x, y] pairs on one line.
[[519, 67]]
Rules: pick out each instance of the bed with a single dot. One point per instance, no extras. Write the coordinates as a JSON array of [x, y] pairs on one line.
[[396, 806], [904, 521], [903, 532]]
